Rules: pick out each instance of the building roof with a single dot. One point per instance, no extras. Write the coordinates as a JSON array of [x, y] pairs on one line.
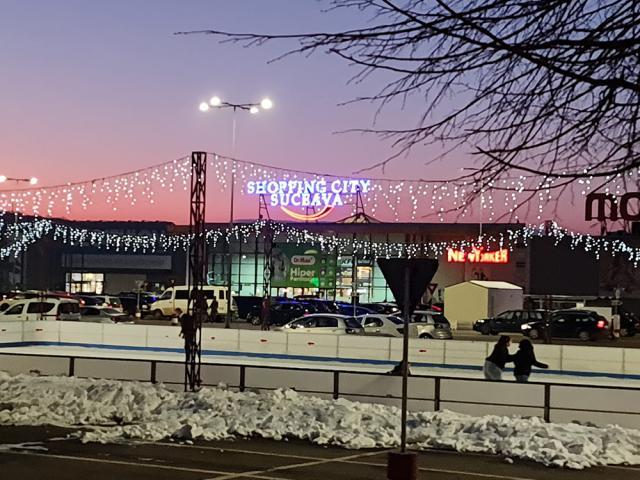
[[496, 285]]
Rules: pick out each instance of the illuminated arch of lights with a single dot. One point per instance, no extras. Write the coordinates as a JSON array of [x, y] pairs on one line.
[[19, 235]]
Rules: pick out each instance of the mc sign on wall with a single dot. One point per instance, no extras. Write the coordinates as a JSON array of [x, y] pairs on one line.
[[618, 208]]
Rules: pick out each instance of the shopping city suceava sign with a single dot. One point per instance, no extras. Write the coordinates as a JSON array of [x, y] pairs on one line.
[[319, 194]]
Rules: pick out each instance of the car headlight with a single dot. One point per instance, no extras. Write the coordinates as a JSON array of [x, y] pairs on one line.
[[479, 321], [526, 327]]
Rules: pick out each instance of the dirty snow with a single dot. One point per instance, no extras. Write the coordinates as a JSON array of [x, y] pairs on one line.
[[116, 411]]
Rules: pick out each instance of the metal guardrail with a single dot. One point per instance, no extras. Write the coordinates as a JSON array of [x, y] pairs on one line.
[[437, 398]]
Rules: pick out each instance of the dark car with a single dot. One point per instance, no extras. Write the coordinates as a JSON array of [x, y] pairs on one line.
[[88, 300], [382, 308], [629, 324], [321, 305], [510, 321], [281, 312], [581, 324], [345, 308]]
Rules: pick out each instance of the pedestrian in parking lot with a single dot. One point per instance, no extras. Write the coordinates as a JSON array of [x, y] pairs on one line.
[[523, 360], [214, 308], [495, 363]]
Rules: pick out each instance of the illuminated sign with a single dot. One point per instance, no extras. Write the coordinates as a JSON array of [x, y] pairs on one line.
[[477, 255], [319, 194]]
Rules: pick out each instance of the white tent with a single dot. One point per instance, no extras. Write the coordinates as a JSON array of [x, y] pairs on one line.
[[466, 302]]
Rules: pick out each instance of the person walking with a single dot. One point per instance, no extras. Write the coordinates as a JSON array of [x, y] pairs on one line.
[[495, 363], [523, 360], [214, 308]]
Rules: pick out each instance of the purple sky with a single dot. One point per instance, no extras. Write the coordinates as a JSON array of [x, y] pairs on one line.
[[91, 89]]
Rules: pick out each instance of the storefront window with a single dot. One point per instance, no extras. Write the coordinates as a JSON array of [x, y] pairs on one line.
[[81, 282]]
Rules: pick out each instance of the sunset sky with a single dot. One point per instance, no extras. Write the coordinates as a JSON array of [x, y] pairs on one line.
[[91, 89]]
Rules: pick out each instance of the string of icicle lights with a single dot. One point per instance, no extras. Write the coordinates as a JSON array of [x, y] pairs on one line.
[[395, 199], [25, 232]]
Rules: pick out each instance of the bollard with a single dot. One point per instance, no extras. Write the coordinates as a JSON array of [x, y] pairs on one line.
[[402, 466]]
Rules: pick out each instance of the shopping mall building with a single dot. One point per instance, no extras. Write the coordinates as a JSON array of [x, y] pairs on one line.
[[539, 266]]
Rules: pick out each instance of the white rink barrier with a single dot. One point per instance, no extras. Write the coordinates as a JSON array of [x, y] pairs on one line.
[[599, 405], [562, 359]]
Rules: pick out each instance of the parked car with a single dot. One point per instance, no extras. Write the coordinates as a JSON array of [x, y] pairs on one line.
[[629, 324], [345, 308], [321, 305], [324, 323], [382, 308], [280, 312], [430, 324], [510, 321], [178, 296], [130, 300], [381, 325], [49, 308], [88, 300], [103, 315], [581, 324], [110, 301]]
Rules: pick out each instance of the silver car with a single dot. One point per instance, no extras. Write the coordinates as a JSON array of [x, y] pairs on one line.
[[431, 324], [381, 325], [423, 324], [326, 323]]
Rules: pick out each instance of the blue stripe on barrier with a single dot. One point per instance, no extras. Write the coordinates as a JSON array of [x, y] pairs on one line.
[[284, 356]]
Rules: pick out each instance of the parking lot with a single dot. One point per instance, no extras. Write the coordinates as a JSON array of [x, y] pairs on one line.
[[65, 458], [468, 335]]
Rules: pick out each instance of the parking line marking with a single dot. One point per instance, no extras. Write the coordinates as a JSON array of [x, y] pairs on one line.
[[259, 473], [351, 459], [220, 474], [454, 472]]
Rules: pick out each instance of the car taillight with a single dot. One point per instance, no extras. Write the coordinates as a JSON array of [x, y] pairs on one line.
[[601, 324]]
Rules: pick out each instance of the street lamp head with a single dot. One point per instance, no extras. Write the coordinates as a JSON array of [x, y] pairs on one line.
[[215, 101], [266, 103], [3, 178], [33, 180], [254, 110], [204, 106]]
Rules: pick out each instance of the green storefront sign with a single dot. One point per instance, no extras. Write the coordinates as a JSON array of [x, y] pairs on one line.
[[303, 266]]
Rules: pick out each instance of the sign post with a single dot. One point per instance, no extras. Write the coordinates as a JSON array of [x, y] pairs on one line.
[[408, 279]]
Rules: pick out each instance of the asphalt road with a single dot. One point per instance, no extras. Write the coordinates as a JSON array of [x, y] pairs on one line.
[[627, 342], [62, 458]]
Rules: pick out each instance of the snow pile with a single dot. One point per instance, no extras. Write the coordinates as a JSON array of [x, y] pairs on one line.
[[118, 411]]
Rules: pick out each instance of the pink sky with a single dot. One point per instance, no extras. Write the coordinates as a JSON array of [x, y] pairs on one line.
[[92, 89]]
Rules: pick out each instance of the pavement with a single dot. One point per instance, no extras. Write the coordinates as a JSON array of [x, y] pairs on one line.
[[54, 453]]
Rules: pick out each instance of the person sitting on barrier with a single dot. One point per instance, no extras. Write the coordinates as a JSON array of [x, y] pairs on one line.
[[494, 363], [524, 359]]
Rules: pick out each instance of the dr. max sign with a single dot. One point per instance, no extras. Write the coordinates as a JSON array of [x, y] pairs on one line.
[[617, 208]]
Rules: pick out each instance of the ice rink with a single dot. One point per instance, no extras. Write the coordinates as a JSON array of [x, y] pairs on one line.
[[350, 365]]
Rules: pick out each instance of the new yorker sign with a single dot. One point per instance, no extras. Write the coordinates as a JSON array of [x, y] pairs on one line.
[[610, 207]]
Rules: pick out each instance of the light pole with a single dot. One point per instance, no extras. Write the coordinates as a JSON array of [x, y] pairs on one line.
[[30, 181], [253, 108]]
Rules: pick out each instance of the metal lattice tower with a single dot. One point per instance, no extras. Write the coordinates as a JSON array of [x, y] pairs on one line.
[[197, 303], [268, 271]]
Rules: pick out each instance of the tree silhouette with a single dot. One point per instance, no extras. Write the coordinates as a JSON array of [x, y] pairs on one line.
[[546, 90]]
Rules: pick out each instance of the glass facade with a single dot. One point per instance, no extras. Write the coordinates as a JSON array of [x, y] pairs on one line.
[[82, 282], [247, 274]]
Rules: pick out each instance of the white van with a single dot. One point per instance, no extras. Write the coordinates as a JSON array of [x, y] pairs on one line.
[[176, 297], [34, 309]]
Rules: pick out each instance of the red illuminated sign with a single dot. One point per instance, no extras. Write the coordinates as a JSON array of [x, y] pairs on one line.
[[477, 255]]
